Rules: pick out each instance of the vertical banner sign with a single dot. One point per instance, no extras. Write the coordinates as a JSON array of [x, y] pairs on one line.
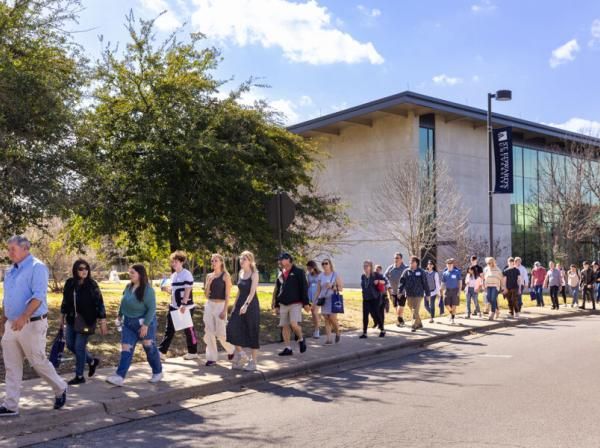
[[503, 155]]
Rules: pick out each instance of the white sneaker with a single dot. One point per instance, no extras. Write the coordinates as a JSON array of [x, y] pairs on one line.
[[251, 366], [190, 356], [115, 380], [316, 334], [155, 378], [163, 357], [238, 361], [516, 315]]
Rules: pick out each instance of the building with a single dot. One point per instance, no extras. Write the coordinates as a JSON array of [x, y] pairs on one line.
[[362, 140]]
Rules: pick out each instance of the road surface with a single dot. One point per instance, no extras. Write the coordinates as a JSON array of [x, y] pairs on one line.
[[536, 386]]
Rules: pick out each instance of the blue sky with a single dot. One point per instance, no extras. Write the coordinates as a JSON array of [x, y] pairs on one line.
[[320, 56]]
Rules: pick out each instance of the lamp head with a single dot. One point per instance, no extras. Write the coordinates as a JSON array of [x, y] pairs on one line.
[[503, 95]]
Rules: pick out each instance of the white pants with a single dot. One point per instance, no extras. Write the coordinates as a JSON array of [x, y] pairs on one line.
[[28, 343], [215, 328]]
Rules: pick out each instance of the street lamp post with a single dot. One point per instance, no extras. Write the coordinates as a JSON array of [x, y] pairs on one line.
[[500, 95]]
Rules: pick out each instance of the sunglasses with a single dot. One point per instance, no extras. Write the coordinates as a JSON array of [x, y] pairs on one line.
[[82, 268], [325, 263]]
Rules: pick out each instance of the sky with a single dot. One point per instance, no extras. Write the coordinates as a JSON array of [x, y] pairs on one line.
[[320, 56]]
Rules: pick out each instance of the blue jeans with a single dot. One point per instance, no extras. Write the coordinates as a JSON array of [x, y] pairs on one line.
[[130, 336], [77, 343], [539, 294], [492, 297], [472, 295], [430, 305], [575, 294]]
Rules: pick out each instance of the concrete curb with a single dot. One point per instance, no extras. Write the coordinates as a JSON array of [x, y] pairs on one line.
[[104, 410]]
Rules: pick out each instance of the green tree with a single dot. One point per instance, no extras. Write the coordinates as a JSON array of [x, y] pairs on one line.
[[41, 80], [174, 160]]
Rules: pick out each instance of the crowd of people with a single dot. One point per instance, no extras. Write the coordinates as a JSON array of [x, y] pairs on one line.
[[316, 291]]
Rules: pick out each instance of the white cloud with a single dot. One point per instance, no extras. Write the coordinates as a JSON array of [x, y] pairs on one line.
[[595, 32], [445, 80], [564, 53], [581, 125], [372, 13], [167, 21], [483, 6], [304, 31]]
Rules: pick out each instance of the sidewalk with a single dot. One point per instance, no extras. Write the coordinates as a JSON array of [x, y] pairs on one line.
[[96, 403]]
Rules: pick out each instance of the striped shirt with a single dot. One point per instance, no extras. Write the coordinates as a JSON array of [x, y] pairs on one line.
[[180, 281]]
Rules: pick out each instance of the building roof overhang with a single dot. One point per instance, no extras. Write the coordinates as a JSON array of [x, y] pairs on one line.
[[406, 102]]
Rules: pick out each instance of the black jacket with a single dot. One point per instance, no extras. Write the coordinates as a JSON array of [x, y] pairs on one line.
[[292, 290], [414, 283], [369, 289], [90, 304], [588, 278]]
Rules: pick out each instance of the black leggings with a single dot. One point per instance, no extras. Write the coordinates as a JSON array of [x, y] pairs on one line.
[[190, 336], [373, 308], [563, 293]]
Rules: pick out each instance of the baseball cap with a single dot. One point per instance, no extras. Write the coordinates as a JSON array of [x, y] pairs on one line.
[[284, 256]]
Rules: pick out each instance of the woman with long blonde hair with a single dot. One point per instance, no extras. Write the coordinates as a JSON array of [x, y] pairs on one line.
[[492, 278], [328, 283], [244, 325], [218, 290]]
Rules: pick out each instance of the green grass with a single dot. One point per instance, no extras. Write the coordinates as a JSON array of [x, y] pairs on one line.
[[107, 347]]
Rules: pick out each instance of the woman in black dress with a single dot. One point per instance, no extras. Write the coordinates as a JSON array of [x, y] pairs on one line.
[[244, 324]]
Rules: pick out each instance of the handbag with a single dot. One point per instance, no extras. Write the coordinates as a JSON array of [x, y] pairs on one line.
[[532, 295], [337, 302], [321, 300], [58, 348], [80, 325]]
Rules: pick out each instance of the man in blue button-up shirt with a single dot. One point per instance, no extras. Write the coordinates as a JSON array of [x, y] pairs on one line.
[[24, 324]]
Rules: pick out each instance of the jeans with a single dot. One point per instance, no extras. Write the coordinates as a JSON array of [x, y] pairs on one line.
[[539, 294], [430, 305], [575, 294], [130, 336], [77, 344], [588, 294], [472, 295], [492, 296], [554, 296]]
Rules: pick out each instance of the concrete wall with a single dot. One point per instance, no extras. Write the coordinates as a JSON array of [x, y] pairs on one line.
[[359, 157]]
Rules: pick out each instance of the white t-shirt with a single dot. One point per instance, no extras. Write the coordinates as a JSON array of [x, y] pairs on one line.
[[180, 281]]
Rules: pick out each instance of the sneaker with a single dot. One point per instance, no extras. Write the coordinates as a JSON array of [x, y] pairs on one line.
[[452, 321], [163, 357], [190, 356], [4, 412], [480, 315], [363, 336], [77, 380], [413, 329], [60, 401], [497, 314], [210, 363], [337, 338], [286, 352], [468, 316], [382, 334], [316, 334], [251, 366], [516, 315], [328, 342], [491, 316], [431, 321], [400, 322], [302, 345], [115, 380], [155, 378], [238, 360], [93, 366], [230, 357]]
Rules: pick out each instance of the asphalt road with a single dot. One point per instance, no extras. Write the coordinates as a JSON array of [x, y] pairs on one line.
[[536, 386]]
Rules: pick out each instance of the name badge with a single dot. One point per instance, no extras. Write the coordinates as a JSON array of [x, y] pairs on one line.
[[453, 276], [418, 274]]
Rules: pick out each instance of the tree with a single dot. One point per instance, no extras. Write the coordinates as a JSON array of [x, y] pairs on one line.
[[192, 170], [418, 205], [568, 211], [41, 78]]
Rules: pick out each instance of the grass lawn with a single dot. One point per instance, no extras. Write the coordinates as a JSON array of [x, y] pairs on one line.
[[107, 347]]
